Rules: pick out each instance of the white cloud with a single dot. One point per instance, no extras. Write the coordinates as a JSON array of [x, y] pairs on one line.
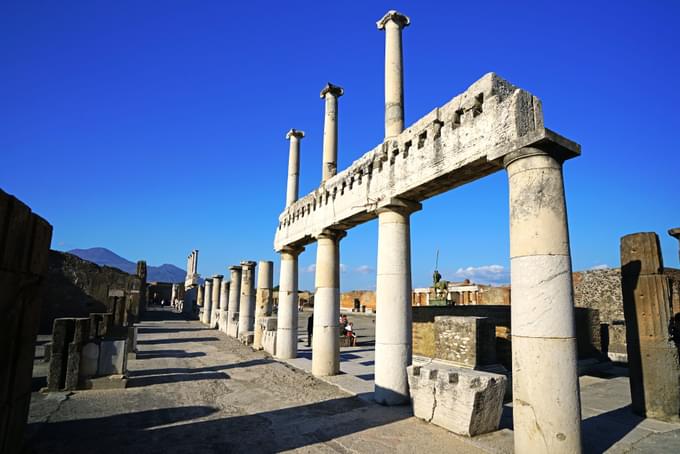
[[485, 274], [599, 267], [364, 269], [309, 268], [343, 268]]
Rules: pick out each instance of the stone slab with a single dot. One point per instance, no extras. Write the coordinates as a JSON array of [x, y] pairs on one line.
[[112, 357]]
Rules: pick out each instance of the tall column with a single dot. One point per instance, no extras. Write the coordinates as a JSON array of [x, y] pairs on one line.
[[246, 311], [234, 292], [199, 296], [216, 292], [330, 93], [287, 321], [393, 22], [393, 302], [326, 337], [546, 404], [207, 302], [224, 302], [293, 165], [263, 298]]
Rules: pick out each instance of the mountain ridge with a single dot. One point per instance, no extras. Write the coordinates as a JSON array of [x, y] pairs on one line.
[[105, 257]]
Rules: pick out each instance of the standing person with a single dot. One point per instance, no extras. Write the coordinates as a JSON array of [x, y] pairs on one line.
[[310, 329], [349, 330]]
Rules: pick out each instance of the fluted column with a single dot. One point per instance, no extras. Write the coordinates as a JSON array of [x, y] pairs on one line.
[[393, 22], [393, 302], [326, 338], [287, 320], [207, 302], [263, 298], [294, 136], [234, 298], [246, 311], [216, 292], [546, 404], [330, 94]]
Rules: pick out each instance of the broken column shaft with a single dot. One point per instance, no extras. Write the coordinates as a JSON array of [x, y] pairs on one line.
[[234, 298], [263, 298], [216, 291], [246, 311]]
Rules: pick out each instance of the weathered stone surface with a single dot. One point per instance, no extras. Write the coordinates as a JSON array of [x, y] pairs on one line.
[[232, 324], [464, 401], [461, 141], [269, 342], [246, 337], [466, 341], [89, 360], [652, 352], [112, 357]]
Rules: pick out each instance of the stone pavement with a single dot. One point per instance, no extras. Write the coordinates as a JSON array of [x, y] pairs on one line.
[[196, 390]]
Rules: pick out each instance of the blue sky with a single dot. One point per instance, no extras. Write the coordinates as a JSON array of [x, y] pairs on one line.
[[152, 128]]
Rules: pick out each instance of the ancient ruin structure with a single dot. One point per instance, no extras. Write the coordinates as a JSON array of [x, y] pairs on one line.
[[234, 300], [24, 245], [653, 357], [246, 311], [216, 293], [263, 299], [491, 126], [191, 283], [224, 301]]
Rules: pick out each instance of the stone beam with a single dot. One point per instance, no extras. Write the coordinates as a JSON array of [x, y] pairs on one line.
[[461, 141]]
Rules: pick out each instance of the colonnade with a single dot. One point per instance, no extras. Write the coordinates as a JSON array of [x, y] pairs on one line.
[[545, 379]]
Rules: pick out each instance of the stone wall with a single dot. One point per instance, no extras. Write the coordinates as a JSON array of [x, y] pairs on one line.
[[365, 297], [24, 243], [75, 288]]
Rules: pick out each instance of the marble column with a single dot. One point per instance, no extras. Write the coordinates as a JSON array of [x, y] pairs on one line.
[[246, 311], [263, 298], [293, 165], [393, 22], [330, 94], [224, 302], [287, 319], [234, 296], [546, 404], [216, 292], [326, 338], [207, 302], [393, 302]]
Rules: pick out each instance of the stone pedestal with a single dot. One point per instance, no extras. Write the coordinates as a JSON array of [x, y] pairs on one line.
[[263, 299], [393, 303], [464, 401], [246, 312], [465, 341], [287, 324], [652, 352], [234, 299], [268, 328], [546, 404], [326, 339]]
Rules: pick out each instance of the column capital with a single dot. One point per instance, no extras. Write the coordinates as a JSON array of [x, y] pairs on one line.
[[400, 19], [292, 250], [331, 234], [235, 268], [334, 90], [218, 276], [248, 264], [527, 152], [295, 133], [396, 204], [675, 233]]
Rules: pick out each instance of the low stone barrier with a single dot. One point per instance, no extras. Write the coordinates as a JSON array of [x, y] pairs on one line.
[[465, 401]]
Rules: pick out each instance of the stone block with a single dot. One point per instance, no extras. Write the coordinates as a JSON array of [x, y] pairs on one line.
[[464, 401], [466, 341], [269, 342], [47, 352], [112, 357], [73, 366], [246, 337], [106, 382], [89, 360], [232, 324], [268, 323]]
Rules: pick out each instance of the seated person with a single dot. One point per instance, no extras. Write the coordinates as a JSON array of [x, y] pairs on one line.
[[349, 332]]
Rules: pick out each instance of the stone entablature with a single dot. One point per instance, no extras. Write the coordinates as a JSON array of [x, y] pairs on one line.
[[464, 140]]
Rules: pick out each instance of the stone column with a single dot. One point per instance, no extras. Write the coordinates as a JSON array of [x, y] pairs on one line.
[[207, 302], [546, 404], [393, 302], [246, 311], [287, 319], [330, 93], [224, 302], [216, 291], [263, 298], [393, 22], [293, 165], [234, 293], [199, 296], [326, 337]]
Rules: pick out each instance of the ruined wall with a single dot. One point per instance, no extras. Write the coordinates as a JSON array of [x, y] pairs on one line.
[[366, 298], [24, 242], [75, 288]]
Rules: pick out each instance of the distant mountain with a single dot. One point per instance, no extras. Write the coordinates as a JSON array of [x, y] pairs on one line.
[[104, 257]]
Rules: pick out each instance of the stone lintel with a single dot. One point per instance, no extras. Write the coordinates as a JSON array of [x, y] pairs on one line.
[[334, 90], [295, 133], [400, 19]]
